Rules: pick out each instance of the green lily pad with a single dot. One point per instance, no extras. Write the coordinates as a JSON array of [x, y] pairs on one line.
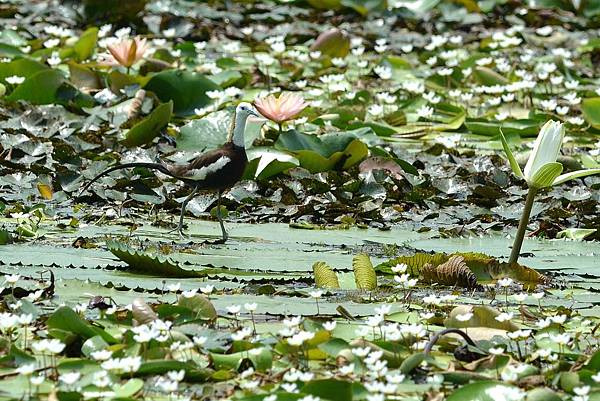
[[147, 129], [186, 89]]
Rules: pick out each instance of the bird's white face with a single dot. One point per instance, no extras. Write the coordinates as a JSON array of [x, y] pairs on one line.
[[242, 112], [245, 110]]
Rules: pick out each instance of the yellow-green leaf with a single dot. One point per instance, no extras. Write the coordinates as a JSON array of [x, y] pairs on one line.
[[364, 273], [325, 277]]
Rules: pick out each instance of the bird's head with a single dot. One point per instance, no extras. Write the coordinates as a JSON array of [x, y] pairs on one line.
[[243, 112], [246, 110]]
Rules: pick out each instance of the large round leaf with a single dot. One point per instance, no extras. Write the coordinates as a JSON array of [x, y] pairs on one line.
[[39, 88], [147, 129], [22, 67], [186, 89], [486, 391]]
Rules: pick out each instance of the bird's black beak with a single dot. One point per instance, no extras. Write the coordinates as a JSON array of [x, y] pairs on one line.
[[255, 116]]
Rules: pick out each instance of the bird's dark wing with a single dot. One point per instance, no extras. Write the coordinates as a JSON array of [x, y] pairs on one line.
[[205, 160]]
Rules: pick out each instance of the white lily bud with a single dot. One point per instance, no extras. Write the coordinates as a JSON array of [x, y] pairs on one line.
[[541, 168]]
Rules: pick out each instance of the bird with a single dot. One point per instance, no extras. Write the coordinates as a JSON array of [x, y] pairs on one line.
[[216, 170]]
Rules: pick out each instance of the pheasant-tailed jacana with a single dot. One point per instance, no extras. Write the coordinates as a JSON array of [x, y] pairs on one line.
[[216, 170]]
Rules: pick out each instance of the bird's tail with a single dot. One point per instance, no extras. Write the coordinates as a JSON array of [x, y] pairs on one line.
[[154, 166]]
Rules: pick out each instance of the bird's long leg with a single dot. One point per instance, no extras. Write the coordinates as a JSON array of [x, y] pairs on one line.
[[183, 206], [225, 236]]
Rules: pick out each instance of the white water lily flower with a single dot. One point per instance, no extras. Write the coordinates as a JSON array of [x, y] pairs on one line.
[[542, 170]]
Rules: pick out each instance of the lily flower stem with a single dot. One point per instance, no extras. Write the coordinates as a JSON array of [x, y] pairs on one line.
[[516, 249]]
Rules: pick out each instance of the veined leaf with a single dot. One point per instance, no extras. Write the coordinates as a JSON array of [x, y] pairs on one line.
[[325, 277], [364, 273], [454, 272], [142, 262], [415, 262], [546, 175]]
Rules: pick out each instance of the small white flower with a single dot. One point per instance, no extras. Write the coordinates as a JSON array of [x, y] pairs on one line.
[[505, 282], [464, 317], [50, 43], [15, 79], [504, 316], [581, 391], [12, 278], [190, 293], [349, 369], [316, 294], [241, 334], [330, 326], [576, 120], [199, 340], [383, 71], [69, 378], [101, 355], [425, 111], [26, 369], [207, 289], [400, 268], [496, 350], [561, 339]]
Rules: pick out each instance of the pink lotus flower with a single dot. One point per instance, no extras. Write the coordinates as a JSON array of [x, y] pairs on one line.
[[127, 52], [284, 108]]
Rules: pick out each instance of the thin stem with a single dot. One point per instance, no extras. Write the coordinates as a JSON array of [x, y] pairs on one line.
[[516, 249]]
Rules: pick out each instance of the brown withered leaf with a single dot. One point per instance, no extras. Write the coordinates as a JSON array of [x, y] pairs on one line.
[[454, 272]]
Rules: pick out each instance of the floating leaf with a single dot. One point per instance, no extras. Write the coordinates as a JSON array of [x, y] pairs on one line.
[[483, 316], [415, 262], [145, 263], [524, 274], [261, 359], [364, 273], [483, 391], [329, 389], [325, 277]]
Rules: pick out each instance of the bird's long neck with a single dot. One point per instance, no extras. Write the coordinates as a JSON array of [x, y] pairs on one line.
[[236, 131]]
